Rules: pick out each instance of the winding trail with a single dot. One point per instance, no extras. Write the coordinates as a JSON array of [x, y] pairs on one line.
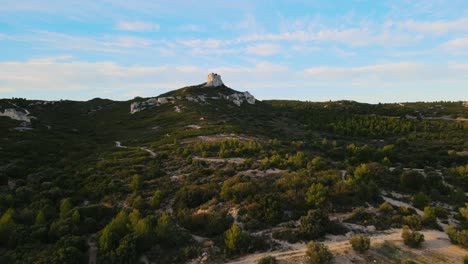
[[118, 144]]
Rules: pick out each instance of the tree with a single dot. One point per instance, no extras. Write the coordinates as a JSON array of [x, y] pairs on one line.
[[362, 174], [136, 182], [114, 231], [411, 238], [360, 243], [134, 217], [156, 200], [40, 218], [126, 252], [143, 233], [65, 207], [317, 163], [7, 226], [316, 195], [164, 227], [76, 217], [318, 253], [234, 240], [138, 203]]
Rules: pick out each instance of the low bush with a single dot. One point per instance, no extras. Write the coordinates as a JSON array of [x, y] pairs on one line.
[[267, 260], [360, 243], [318, 253], [412, 238]]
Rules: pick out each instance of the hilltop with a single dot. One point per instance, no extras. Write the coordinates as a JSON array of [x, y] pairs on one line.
[[208, 174]]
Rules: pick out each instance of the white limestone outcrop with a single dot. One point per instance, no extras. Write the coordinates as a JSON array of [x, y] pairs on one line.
[[214, 80], [236, 98], [239, 98], [17, 115]]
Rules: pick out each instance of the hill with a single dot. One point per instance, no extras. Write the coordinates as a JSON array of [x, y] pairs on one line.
[[206, 173]]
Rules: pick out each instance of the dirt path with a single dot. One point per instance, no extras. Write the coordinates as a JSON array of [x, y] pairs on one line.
[[118, 144], [92, 251], [436, 242], [152, 153]]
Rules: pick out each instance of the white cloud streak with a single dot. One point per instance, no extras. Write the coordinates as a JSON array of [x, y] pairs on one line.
[[138, 26]]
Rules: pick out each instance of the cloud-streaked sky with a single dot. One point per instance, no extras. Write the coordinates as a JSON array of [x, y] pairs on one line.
[[364, 50]]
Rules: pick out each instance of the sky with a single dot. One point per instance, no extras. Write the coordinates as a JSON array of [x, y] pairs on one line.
[[317, 50]]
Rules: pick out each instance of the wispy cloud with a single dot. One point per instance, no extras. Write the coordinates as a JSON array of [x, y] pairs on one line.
[[436, 27], [458, 45], [263, 49], [138, 26]]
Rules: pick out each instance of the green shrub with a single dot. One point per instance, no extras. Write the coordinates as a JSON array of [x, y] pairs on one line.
[[267, 260], [421, 200], [411, 238], [314, 224], [235, 241], [413, 221], [465, 260], [360, 243], [459, 237], [408, 261], [318, 253]]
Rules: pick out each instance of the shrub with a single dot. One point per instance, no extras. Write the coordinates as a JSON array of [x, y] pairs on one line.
[[465, 260], [314, 224], [421, 200], [411, 180], [413, 221], [267, 260], [459, 237], [360, 243], [411, 238], [318, 253]]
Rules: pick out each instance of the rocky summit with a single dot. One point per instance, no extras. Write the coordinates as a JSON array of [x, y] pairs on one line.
[[214, 80], [196, 94]]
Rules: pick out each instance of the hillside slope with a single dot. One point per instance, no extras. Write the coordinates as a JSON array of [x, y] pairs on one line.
[[168, 178]]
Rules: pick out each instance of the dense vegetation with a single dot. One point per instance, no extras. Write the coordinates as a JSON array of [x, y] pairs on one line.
[[210, 192]]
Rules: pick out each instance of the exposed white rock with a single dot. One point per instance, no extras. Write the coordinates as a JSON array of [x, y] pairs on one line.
[[239, 98], [177, 109], [193, 126], [139, 106], [17, 115], [214, 80]]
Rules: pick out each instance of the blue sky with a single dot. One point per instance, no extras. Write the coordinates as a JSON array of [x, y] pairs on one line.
[[317, 50]]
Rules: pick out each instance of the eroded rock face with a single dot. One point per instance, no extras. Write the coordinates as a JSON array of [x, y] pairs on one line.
[[214, 80]]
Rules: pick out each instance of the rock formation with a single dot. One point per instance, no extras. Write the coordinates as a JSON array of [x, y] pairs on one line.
[[214, 80], [16, 115]]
